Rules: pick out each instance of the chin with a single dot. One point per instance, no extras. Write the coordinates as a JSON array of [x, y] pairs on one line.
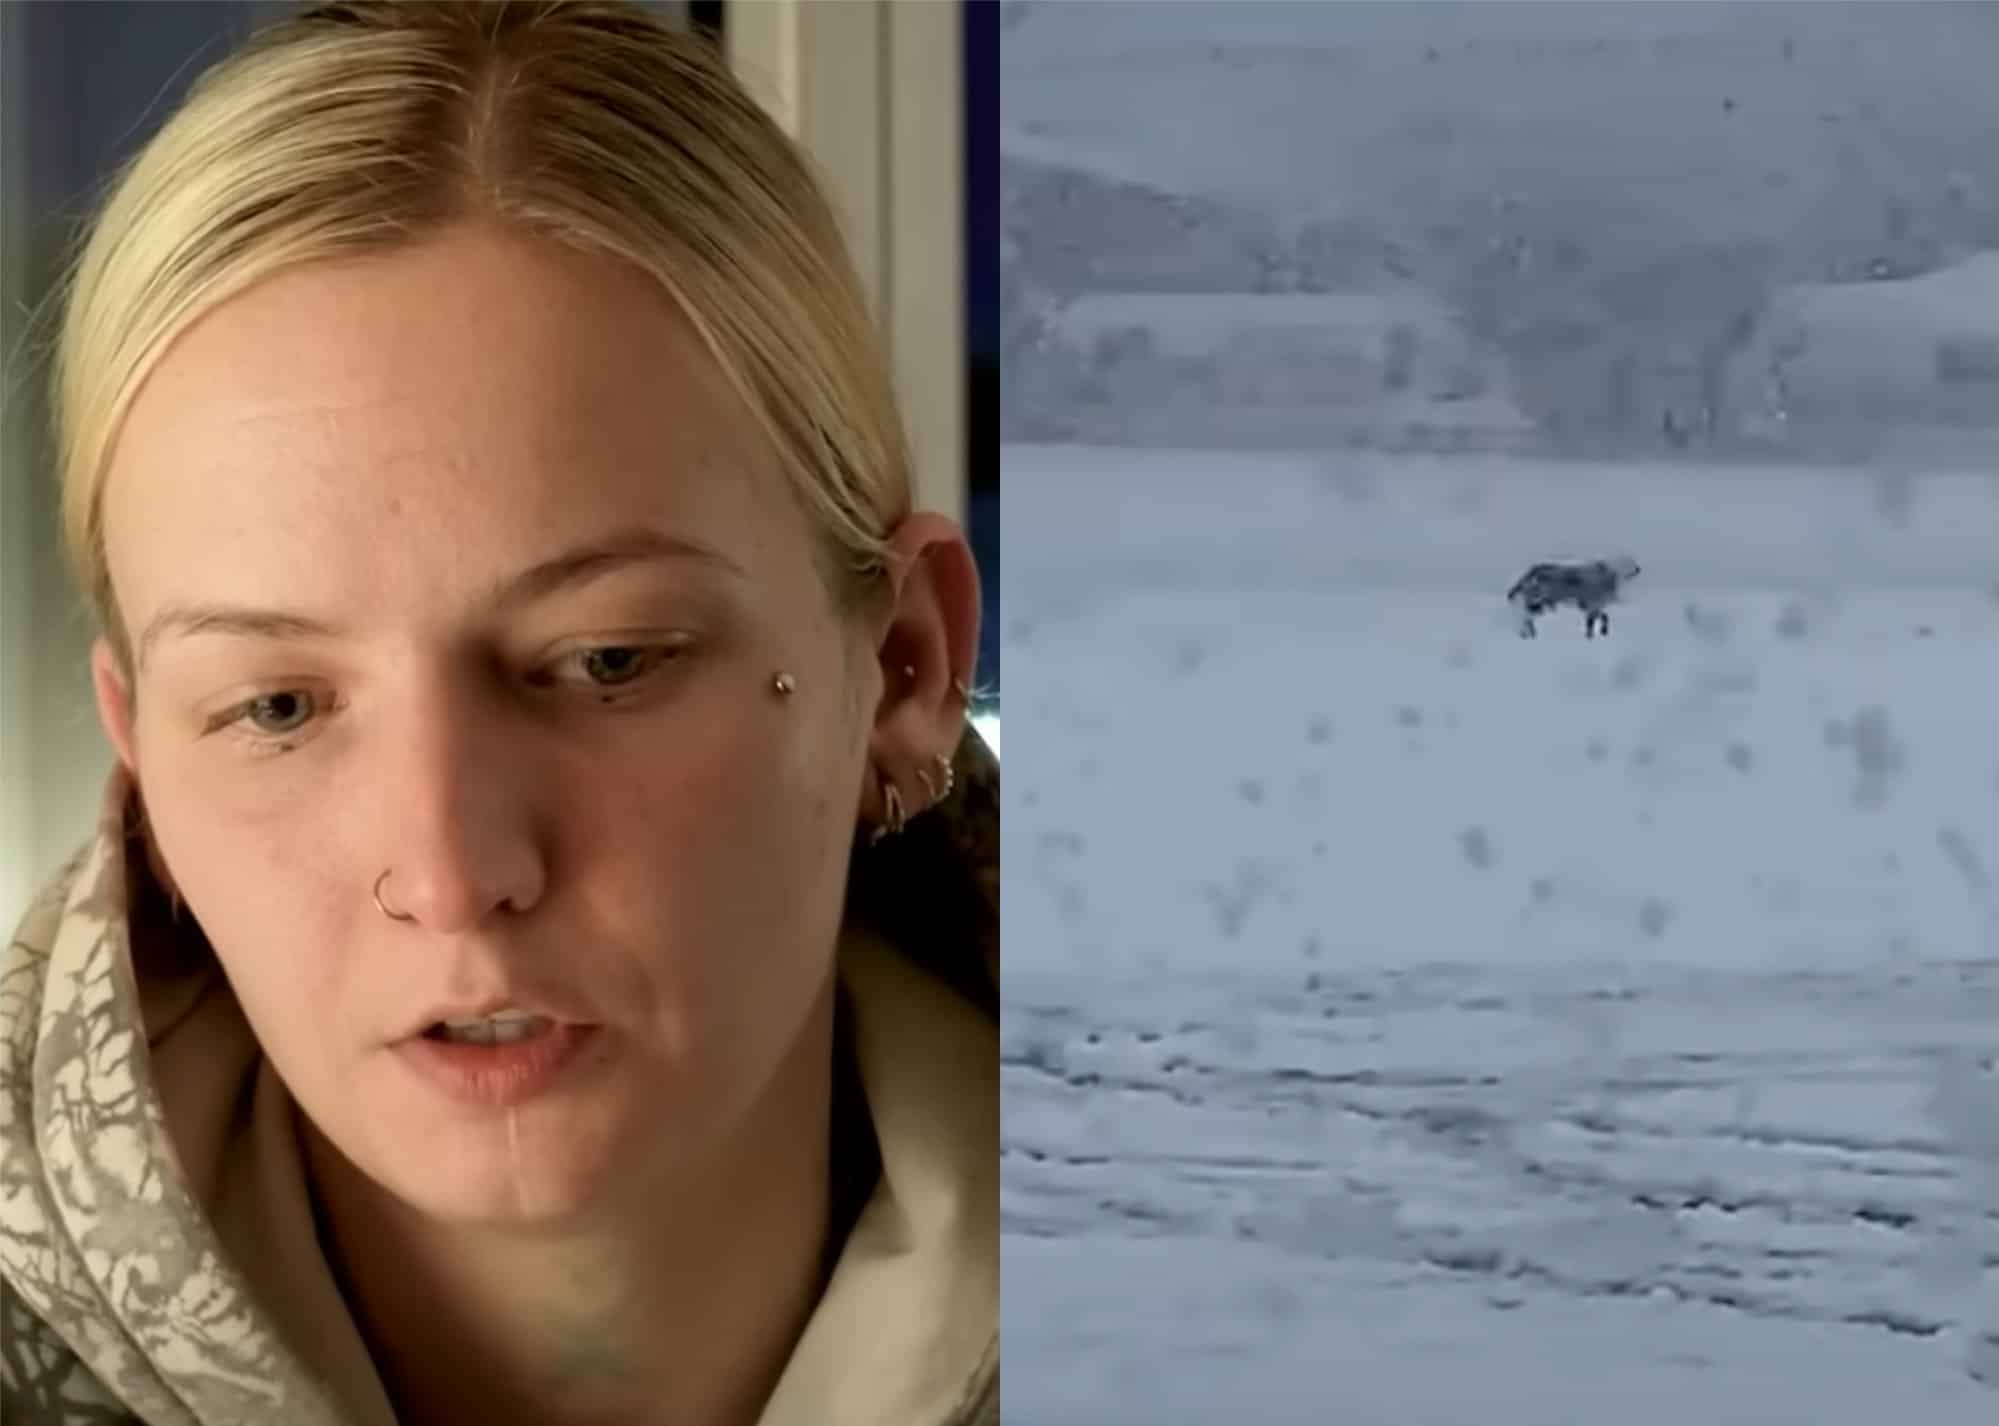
[[478, 1175], [544, 1162]]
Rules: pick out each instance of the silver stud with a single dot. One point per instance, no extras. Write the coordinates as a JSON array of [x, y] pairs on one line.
[[785, 684]]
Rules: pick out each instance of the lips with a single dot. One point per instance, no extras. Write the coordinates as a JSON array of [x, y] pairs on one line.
[[485, 1008], [505, 1075]]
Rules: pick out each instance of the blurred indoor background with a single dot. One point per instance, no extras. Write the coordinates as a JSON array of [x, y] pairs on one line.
[[896, 102]]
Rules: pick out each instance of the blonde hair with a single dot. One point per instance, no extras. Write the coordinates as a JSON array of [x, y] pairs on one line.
[[362, 126]]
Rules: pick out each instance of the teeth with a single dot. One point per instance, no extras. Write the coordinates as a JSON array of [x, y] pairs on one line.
[[502, 1029], [498, 1017]]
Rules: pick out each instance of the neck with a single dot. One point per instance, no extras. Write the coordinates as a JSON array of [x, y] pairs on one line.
[[681, 1303]]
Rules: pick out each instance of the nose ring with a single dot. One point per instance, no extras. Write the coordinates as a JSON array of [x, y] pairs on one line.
[[379, 906]]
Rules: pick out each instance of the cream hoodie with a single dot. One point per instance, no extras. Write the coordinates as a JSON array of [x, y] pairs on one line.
[[158, 1259]]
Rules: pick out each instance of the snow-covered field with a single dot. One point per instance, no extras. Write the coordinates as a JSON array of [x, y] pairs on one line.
[[1408, 1023]]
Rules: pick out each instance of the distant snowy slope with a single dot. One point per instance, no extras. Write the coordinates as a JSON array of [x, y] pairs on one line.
[[1727, 119], [1640, 210]]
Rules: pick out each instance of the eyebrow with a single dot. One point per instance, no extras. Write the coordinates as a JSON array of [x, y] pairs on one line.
[[581, 565]]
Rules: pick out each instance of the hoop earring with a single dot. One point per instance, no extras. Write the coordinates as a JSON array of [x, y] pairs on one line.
[[947, 776], [895, 815]]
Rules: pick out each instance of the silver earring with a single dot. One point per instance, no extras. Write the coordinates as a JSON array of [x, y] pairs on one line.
[[785, 685], [392, 915], [895, 816]]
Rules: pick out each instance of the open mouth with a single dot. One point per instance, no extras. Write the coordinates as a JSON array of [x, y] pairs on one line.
[[498, 1030], [491, 1064]]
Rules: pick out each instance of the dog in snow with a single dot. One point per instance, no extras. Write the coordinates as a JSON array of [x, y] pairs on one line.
[[1590, 587]]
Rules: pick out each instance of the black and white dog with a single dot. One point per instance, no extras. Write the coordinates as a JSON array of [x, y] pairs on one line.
[[1590, 587]]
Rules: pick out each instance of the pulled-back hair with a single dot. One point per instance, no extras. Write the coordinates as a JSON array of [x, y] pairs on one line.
[[359, 127]]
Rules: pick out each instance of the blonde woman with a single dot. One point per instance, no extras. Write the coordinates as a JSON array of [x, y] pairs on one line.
[[538, 959]]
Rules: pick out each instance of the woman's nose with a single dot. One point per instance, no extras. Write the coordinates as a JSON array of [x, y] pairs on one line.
[[459, 835]]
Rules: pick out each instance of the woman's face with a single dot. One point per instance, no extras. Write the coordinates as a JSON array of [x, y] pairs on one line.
[[330, 522]]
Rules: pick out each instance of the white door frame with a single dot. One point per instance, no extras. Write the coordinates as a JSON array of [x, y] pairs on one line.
[[873, 89]]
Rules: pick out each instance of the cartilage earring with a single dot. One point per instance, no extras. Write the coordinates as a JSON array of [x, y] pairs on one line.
[[785, 685]]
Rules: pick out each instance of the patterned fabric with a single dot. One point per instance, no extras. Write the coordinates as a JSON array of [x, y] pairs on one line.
[[118, 1301]]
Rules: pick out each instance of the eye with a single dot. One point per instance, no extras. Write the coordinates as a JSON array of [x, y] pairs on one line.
[[267, 722], [270, 718], [614, 666], [281, 707]]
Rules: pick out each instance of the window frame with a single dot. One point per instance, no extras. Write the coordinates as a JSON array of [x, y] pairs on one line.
[[873, 90]]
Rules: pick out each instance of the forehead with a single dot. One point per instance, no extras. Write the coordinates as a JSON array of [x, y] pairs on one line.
[[480, 387]]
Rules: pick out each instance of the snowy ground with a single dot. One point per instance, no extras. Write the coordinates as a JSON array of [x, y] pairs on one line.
[[1407, 1023]]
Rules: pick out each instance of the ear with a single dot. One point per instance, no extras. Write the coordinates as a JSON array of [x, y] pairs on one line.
[[114, 701], [928, 645], [115, 709]]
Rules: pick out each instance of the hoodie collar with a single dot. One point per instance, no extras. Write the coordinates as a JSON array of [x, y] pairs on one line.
[[153, 1203]]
